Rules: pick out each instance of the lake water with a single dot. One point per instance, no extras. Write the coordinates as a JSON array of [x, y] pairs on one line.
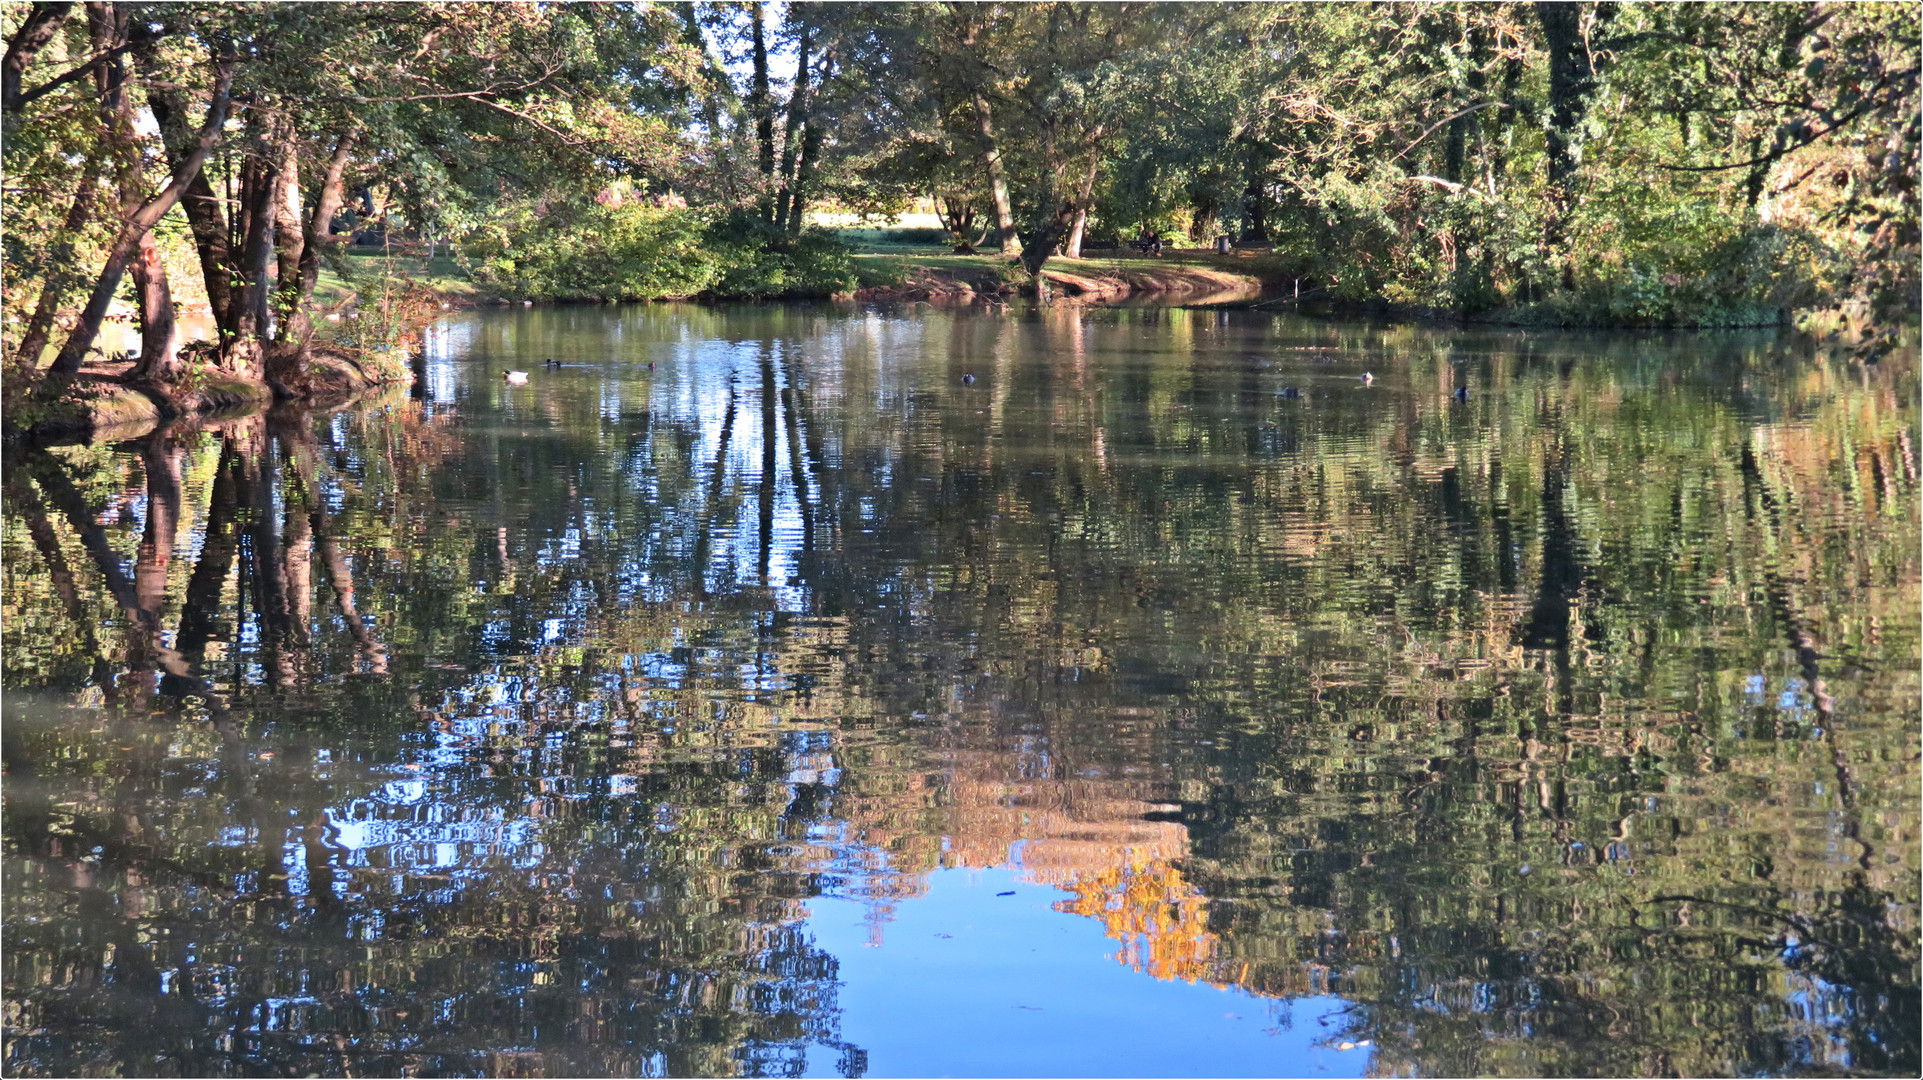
[[800, 706]]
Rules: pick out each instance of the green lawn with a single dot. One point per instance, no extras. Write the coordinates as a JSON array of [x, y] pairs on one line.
[[366, 267]]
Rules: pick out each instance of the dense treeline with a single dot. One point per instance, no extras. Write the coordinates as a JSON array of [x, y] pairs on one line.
[[1590, 161]]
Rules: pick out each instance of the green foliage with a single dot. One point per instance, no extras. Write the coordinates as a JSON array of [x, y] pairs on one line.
[[758, 262], [626, 250]]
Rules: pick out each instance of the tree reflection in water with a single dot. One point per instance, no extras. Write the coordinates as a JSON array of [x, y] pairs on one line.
[[508, 730]]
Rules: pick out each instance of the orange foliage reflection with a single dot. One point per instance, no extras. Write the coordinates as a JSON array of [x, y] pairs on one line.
[[1160, 919]]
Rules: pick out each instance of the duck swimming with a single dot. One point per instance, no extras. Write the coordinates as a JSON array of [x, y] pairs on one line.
[[1462, 393], [968, 378], [515, 378], [1290, 393]]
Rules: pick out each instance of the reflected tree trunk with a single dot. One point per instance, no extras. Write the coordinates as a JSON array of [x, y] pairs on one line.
[[201, 614], [23, 496], [766, 522], [704, 541]]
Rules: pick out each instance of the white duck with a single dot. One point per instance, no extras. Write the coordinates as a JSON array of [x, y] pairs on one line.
[[515, 378]]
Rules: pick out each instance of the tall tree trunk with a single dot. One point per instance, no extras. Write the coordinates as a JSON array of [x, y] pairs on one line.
[[797, 115], [1011, 244], [316, 231], [159, 332], [246, 352], [131, 230], [286, 368], [811, 138], [62, 277], [762, 106], [1572, 78]]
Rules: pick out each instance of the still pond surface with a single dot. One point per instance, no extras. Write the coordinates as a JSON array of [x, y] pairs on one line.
[[754, 695]]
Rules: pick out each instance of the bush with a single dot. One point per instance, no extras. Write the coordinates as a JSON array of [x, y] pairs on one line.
[[593, 252], [760, 262], [927, 234], [640, 252]]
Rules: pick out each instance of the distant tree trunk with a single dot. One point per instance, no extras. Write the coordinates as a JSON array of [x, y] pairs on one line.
[[1073, 248], [958, 217], [1207, 217], [1011, 244], [1050, 233], [128, 241], [1255, 197], [1256, 212], [811, 139], [711, 99]]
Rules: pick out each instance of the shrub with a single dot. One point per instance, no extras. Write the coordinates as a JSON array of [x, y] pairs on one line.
[[590, 252], [634, 251]]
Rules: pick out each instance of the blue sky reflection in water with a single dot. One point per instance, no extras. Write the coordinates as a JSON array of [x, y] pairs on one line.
[[601, 725], [968, 981]]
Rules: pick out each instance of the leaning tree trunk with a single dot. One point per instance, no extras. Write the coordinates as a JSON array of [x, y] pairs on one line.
[[133, 228], [43, 21], [1011, 244], [203, 207], [61, 278]]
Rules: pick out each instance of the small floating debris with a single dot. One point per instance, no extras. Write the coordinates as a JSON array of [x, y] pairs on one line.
[[1368, 378], [1010, 892], [1290, 393]]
